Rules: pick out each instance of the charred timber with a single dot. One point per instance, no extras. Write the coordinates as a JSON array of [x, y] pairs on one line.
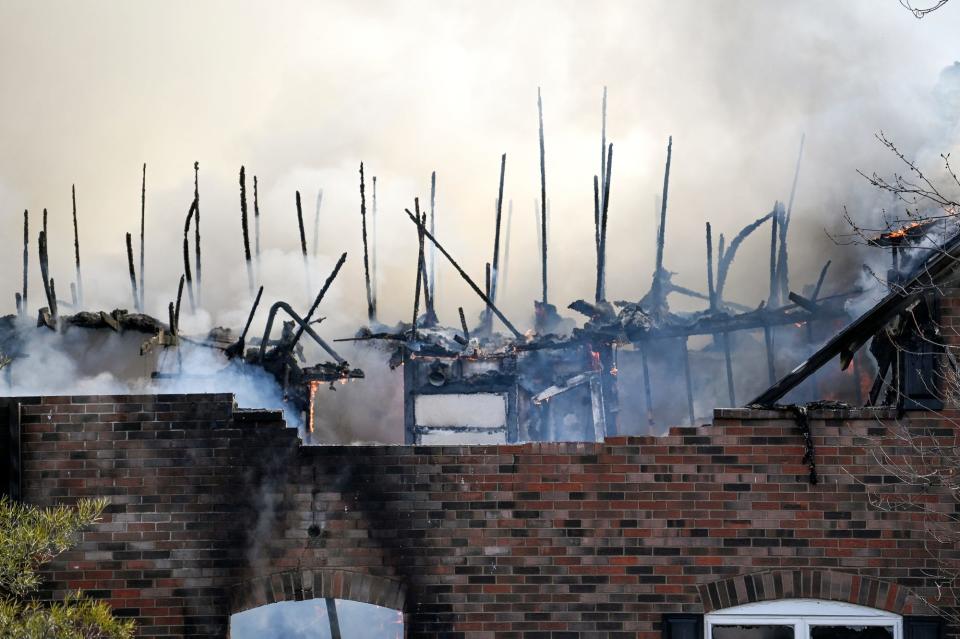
[[244, 228], [133, 275], [371, 307], [76, 246], [466, 278], [196, 231]]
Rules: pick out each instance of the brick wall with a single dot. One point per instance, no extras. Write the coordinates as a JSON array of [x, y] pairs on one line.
[[216, 511]]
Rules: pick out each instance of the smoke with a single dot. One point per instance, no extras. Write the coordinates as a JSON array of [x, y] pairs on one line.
[[300, 94]]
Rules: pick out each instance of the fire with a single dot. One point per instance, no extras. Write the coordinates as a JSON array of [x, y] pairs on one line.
[[314, 385], [902, 232], [595, 360]]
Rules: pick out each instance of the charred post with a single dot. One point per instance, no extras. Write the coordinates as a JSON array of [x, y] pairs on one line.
[[496, 235], [487, 315], [433, 250], [133, 274], [186, 255], [303, 243], [175, 326], [371, 307], [45, 273], [773, 298], [26, 260], [196, 231], [596, 232], [76, 247], [463, 324], [602, 250], [658, 292], [603, 138], [711, 290], [244, 228], [420, 268], [316, 302]]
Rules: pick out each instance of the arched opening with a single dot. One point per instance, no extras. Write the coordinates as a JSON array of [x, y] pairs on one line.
[[802, 619], [317, 619]]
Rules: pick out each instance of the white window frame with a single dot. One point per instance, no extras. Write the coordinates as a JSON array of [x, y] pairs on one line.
[[802, 614]]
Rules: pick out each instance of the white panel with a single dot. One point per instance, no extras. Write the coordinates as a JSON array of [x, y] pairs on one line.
[[484, 410], [453, 438]]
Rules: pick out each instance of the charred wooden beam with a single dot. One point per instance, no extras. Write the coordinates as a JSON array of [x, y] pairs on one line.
[[602, 262], [76, 246], [433, 250], [133, 275], [466, 278], [661, 236], [26, 260], [303, 243], [773, 299], [603, 139], [186, 255], [783, 276], [371, 308], [496, 235], [420, 268], [320, 296], [244, 227], [175, 326], [278, 306], [543, 204], [726, 256], [143, 219], [710, 285], [238, 347], [463, 324], [849, 340], [596, 234], [196, 232], [487, 316], [45, 273]]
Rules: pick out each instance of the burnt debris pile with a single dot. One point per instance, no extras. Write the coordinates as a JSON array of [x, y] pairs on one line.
[[610, 367]]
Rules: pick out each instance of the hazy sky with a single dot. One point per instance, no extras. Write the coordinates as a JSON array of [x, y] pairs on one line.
[[301, 92]]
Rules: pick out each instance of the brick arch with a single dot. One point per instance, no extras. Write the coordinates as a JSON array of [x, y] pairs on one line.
[[299, 584], [809, 584]]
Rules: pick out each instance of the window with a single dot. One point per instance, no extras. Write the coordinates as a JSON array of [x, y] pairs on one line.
[[802, 619]]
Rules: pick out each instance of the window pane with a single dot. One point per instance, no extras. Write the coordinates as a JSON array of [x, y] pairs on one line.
[[851, 632], [753, 632]]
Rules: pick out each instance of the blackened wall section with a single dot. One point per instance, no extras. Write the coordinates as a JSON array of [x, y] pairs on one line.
[[216, 510]]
